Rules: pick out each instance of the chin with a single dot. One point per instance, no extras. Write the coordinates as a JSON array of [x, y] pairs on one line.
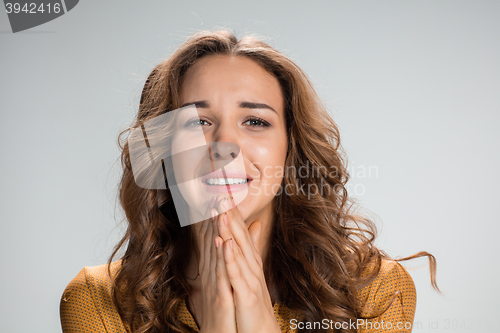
[[245, 210]]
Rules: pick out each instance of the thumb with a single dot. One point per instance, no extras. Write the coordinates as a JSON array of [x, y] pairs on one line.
[[254, 231]]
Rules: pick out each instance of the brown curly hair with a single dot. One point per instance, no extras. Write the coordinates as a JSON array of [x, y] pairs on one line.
[[319, 246]]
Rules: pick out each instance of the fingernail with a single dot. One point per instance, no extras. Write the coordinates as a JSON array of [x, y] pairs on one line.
[[217, 243], [231, 243]]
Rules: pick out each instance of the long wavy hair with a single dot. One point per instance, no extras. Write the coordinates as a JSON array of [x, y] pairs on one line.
[[320, 247]]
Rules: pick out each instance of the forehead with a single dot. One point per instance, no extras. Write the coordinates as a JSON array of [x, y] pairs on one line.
[[223, 77]]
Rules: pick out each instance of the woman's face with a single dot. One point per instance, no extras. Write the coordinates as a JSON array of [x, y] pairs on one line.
[[241, 114]]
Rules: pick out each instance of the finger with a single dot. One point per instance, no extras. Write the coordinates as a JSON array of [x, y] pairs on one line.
[[214, 221], [241, 235], [207, 244], [245, 284], [238, 230], [208, 233], [210, 214], [255, 281], [213, 250], [224, 204], [215, 207], [251, 276], [223, 283], [218, 200], [234, 274], [223, 227], [235, 216], [200, 227]]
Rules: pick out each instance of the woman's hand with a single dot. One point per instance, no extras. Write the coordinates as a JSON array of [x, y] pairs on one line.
[[218, 311], [254, 310]]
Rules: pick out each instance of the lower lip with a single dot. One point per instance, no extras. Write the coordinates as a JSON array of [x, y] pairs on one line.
[[223, 189]]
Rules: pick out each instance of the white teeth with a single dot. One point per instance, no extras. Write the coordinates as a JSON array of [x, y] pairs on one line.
[[228, 181]]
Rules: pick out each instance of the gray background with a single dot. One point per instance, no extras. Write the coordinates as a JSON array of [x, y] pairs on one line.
[[413, 87]]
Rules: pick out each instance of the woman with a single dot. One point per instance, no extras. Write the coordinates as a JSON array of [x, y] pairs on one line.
[[282, 251]]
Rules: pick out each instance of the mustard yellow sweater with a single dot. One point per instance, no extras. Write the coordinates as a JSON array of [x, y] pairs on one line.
[[86, 304]]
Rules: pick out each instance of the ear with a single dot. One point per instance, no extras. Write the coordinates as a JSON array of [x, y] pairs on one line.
[[254, 231]]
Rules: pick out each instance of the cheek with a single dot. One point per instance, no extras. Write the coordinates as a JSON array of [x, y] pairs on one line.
[[185, 161], [269, 160], [271, 151]]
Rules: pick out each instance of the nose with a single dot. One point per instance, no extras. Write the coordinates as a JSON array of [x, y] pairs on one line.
[[223, 151], [223, 147]]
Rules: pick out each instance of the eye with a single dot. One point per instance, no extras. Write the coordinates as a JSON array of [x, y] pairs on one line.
[[254, 122], [258, 122], [194, 122]]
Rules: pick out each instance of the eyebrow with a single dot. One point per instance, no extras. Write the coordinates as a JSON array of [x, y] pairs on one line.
[[249, 105]]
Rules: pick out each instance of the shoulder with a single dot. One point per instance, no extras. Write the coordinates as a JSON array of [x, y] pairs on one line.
[[86, 300], [93, 279], [392, 292], [389, 300], [98, 277]]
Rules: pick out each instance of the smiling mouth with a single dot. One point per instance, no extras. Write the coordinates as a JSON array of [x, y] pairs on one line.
[[226, 181]]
